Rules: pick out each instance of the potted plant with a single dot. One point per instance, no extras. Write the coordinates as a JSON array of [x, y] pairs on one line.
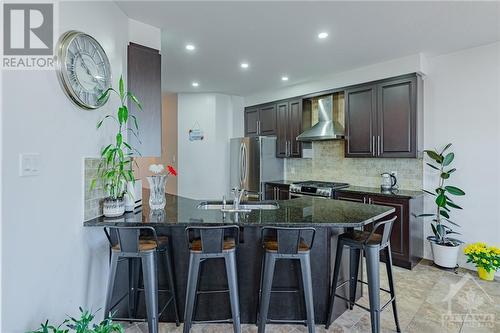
[[486, 258], [115, 167], [444, 248]]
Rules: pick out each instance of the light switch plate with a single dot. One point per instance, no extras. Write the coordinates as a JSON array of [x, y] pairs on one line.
[[29, 164]]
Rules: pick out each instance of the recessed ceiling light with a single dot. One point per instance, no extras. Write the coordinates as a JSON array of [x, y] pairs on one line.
[[190, 47], [195, 84], [284, 78], [244, 65], [322, 35]]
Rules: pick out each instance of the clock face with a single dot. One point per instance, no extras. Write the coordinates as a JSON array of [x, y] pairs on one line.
[[83, 69]]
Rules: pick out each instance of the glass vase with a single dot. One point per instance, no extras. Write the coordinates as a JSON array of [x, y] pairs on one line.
[[157, 198]]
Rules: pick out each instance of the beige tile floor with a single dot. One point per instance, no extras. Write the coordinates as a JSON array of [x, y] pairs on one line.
[[423, 306]]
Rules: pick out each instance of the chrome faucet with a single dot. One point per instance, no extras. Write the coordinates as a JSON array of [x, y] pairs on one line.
[[238, 194]]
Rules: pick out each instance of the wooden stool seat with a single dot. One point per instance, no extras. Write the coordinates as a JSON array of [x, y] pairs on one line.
[[271, 245], [144, 245], [229, 245], [363, 237]]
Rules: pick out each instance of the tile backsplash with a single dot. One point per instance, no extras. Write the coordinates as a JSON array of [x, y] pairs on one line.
[[93, 199], [329, 164]]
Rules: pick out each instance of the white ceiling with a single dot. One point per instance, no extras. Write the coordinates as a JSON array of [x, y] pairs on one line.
[[278, 38]]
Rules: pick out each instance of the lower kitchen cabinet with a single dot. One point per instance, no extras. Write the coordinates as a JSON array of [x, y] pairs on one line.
[[407, 239], [277, 191]]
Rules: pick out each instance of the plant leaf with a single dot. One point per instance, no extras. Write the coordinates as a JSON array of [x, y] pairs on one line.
[[119, 139], [445, 148], [445, 175], [454, 190], [435, 156], [444, 213], [424, 215], [451, 204], [451, 171], [105, 150], [432, 166], [104, 94], [135, 100], [135, 122], [121, 87], [441, 200], [428, 192], [448, 159]]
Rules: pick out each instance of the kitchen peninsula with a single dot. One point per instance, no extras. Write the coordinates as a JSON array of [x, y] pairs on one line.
[[329, 217]]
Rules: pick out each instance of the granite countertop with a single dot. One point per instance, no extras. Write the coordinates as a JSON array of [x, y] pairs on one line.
[[305, 211], [378, 191]]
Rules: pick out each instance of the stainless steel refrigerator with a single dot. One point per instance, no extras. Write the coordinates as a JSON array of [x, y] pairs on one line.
[[253, 161]]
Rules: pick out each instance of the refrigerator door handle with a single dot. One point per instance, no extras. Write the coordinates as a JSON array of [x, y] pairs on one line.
[[245, 164], [241, 165]]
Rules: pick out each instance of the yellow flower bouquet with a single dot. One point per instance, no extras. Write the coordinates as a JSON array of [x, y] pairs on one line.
[[486, 258]]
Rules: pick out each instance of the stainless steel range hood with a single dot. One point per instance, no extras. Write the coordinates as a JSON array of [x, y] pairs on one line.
[[327, 128]]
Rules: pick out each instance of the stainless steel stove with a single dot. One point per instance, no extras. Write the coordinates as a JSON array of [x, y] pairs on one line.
[[315, 188]]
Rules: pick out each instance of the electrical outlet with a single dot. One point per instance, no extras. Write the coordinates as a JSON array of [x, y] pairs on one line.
[[29, 164]]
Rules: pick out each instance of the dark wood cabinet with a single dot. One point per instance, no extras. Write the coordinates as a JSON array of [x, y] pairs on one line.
[[277, 191], [407, 232], [360, 118], [260, 120], [382, 117], [289, 126], [144, 80]]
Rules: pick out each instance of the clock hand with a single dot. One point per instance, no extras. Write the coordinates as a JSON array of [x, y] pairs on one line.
[[84, 65]]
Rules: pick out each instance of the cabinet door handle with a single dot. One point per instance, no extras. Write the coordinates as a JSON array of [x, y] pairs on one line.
[[258, 126], [288, 148], [378, 145], [373, 145]]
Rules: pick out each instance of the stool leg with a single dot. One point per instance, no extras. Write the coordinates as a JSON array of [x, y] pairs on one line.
[[260, 288], [232, 279], [373, 273], [111, 283], [171, 283], [150, 289], [305, 268], [133, 285], [194, 268], [388, 265], [336, 271], [267, 282], [353, 274]]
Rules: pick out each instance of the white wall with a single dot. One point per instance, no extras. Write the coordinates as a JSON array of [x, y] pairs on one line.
[[462, 106], [51, 264], [204, 165], [144, 34], [405, 65]]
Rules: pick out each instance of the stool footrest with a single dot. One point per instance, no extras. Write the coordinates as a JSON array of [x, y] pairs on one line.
[[198, 292], [360, 281], [285, 290], [215, 321], [287, 321], [364, 307]]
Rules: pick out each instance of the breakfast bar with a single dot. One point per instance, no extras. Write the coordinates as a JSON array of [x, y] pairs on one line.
[[329, 217]]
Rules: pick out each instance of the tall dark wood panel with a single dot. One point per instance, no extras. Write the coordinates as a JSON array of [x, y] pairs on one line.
[[251, 122], [397, 118], [360, 109], [282, 129], [144, 81], [267, 120], [295, 127]]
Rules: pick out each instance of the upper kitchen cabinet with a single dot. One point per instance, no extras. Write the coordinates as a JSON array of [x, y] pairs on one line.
[[260, 120], [382, 118], [289, 126], [144, 81]]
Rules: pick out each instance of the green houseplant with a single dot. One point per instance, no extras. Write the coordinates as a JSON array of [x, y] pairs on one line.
[[115, 167], [444, 248], [81, 325]]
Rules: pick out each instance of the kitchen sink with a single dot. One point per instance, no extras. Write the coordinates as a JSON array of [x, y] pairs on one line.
[[244, 206]]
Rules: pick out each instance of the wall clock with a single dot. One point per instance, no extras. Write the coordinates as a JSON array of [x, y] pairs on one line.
[[83, 69]]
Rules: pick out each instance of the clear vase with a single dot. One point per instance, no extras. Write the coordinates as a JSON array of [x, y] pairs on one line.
[[157, 198]]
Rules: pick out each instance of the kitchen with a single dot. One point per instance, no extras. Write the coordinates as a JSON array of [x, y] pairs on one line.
[[268, 147]]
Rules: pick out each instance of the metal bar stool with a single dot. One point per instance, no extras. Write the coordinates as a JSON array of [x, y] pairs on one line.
[[211, 243], [288, 244], [371, 243], [128, 244]]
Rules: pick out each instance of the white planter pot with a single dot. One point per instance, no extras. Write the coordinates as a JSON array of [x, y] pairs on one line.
[[113, 207], [445, 256]]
